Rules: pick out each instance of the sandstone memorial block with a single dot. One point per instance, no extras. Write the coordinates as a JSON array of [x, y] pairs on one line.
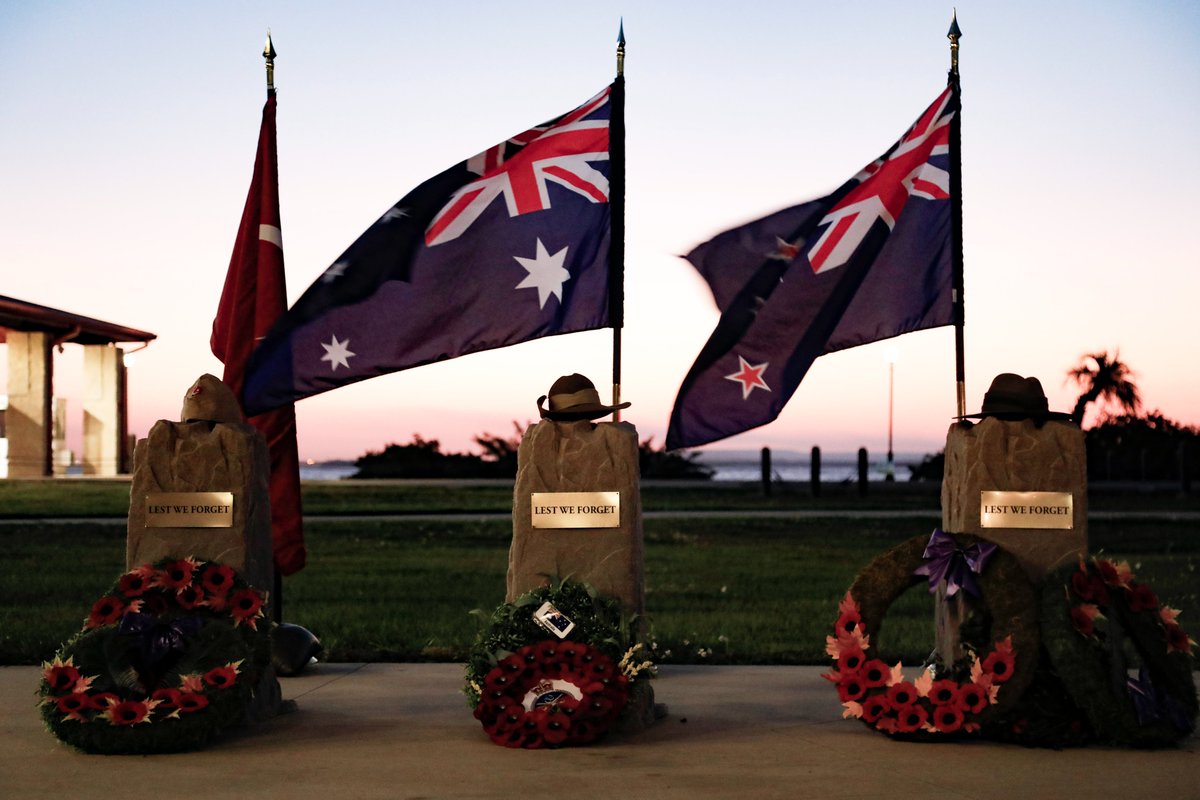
[[585, 472], [200, 488], [1020, 485], [577, 506]]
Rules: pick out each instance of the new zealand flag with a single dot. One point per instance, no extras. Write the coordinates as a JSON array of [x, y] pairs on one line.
[[507, 246], [870, 261]]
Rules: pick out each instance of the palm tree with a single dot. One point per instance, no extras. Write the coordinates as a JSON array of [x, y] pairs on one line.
[[1104, 378]]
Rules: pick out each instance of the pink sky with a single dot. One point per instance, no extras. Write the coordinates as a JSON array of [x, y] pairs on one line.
[[127, 162]]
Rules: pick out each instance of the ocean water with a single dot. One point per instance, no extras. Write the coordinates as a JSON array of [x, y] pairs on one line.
[[787, 467]]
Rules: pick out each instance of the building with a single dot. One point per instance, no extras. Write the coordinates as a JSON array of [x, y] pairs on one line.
[[28, 423]]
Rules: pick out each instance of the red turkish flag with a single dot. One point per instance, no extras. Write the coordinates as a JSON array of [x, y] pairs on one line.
[[255, 295]]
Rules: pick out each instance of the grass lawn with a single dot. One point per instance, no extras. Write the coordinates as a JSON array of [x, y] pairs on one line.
[[746, 591]]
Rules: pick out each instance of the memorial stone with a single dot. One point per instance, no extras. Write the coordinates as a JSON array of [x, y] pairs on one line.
[[1017, 478], [188, 473], [578, 457], [1012, 458]]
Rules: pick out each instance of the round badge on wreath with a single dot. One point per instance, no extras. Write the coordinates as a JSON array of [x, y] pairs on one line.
[[167, 659]]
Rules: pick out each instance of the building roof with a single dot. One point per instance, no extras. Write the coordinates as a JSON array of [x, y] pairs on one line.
[[18, 315]]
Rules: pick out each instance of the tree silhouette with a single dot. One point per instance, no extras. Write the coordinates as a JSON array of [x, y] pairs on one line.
[[1104, 377]]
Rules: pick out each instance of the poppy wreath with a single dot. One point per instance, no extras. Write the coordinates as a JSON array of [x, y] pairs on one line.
[[529, 689], [167, 659], [1098, 623], [974, 693]]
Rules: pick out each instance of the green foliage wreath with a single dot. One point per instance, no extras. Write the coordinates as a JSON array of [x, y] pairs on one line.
[[530, 688], [168, 658], [1099, 625], [965, 697]]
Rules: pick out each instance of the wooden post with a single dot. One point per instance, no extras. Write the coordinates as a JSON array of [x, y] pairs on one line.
[[766, 471], [815, 471], [862, 472]]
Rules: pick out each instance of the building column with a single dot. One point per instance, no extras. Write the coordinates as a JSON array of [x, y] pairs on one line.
[[104, 420], [30, 390]]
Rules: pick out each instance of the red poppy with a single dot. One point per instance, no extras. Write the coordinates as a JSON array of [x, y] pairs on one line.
[[105, 611], [75, 702], [190, 597], [177, 574], [191, 701], [554, 726], [846, 623], [1177, 640], [1082, 621], [902, 694], [133, 584], [499, 680], [60, 677], [245, 605], [948, 718], [154, 603], [217, 580], [127, 712], [875, 673], [222, 677], [999, 664], [874, 707], [911, 718], [547, 651], [104, 700], [851, 658], [1142, 598], [168, 697], [973, 697], [851, 687], [944, 692]]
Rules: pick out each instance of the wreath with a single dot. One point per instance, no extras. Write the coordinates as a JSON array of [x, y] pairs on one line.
[[974, 691], [1099, 624], [167, 659], [554, 668]]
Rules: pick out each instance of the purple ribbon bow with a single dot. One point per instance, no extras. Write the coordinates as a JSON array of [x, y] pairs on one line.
[[156, 640], [946, 560]]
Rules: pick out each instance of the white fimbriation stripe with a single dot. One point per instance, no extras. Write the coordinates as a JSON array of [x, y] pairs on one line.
[[272, 234]]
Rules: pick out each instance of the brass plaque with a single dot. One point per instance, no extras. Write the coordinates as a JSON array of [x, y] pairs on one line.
[[1047, 510], [576, 509], [189, 510]]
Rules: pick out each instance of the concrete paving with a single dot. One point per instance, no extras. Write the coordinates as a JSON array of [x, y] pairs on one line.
[[404, 731]]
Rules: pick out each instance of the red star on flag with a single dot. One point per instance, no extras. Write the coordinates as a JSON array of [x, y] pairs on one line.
[[749, 376]]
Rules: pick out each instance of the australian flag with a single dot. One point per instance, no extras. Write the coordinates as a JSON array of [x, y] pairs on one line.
[[870, 261], [509, 245]]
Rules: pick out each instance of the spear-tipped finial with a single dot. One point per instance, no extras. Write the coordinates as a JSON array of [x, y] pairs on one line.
[[621, 48], [954, 34], [269, 55]]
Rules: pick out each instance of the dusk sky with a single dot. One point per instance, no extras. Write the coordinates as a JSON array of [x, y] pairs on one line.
[[129, 132]]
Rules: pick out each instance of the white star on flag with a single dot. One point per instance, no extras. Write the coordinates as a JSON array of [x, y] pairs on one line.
[[546, 273], [337, 353], [750, 377], [393, 213]]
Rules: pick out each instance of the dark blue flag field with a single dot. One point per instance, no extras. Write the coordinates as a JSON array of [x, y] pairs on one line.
[[507, 246], [871, 261]]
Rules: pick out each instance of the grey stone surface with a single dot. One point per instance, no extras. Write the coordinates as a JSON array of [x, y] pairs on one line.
[[393, 731], [579, 457]]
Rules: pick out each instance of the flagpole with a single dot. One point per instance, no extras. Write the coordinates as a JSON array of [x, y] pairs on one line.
[[277, 585], [616, 251], [954, 34]]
